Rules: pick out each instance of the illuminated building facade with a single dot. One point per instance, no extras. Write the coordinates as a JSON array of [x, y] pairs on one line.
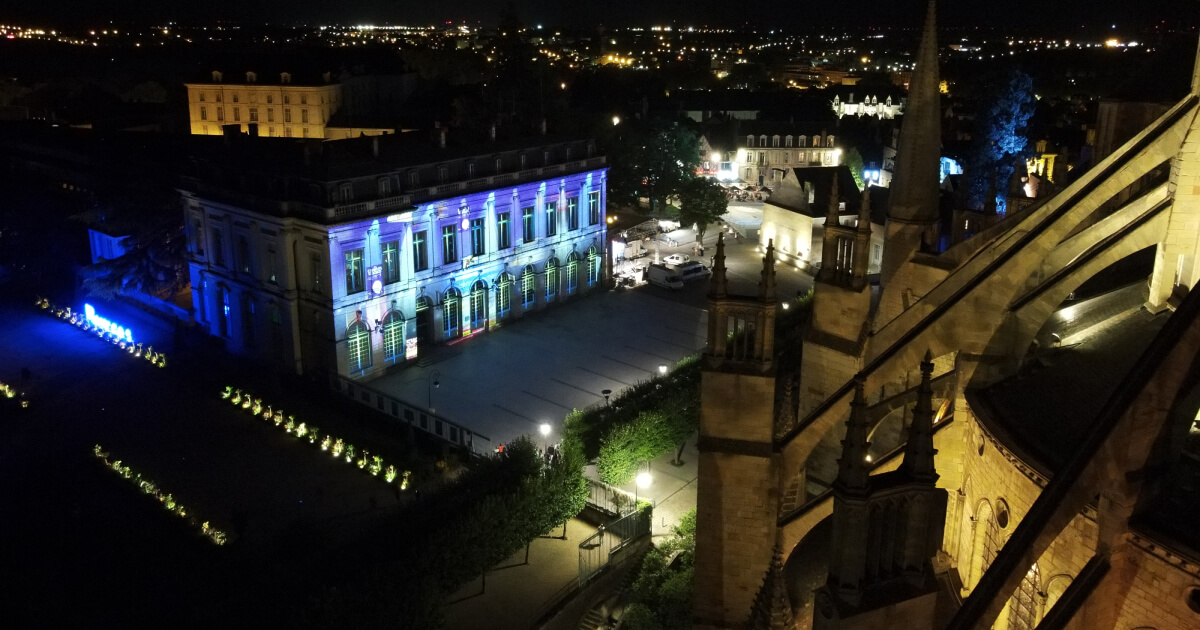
[[762, 154], [282, 109], [372, 270]]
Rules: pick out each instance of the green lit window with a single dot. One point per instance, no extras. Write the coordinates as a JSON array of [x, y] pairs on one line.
[[393, 336], [358, 347], [449, 245], [551, 218], [551, 279], [451, 313], [479, 305], [504, 296], [391, 262], [503, 240], [528, 283], [478, 247], [593, 266], [572, 273], [573, 213], [527, 231], [593, 207], [420, 253], [354, 271]]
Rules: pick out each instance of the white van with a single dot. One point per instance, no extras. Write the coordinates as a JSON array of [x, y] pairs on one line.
[[661, 276]]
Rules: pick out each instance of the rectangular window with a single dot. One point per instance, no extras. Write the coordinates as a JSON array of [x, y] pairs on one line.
[[270, 99], [346, 192], [391, 262], [218, 247], [271, 114], [220, 114], [272, 265], [449, 245], [573, 213], [304, 116], [354, 271], [443, 174], [593, 207], [243, 254], [235, 97], [253, 114], [203, 113], [471, 169], [478, 247], [413, 178], [287, 115], [314, 266], [287, 99], [202, 97], [502, 236], [499, 166], [551, 218], [304, 99], [527, 234], [385, 186], [237, 114], [420, 253]]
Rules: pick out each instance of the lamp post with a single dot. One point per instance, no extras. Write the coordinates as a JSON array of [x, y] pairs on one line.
[[642, 481], [544, 429], [606, 393], [431, 383]]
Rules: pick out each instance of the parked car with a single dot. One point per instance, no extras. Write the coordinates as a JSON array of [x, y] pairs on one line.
[[664, 277], [690, 270], [677, 259]]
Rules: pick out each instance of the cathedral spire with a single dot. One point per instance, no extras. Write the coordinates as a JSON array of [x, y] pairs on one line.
[[831, 215], [919, 451], [853, 467], [717, 284], [914, 196], [766, 286]]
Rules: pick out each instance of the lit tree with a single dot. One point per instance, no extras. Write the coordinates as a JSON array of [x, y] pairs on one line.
[[999, 141], [702, 201]]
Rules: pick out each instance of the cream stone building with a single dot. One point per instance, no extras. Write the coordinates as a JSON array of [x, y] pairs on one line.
[[276, 106], [1001, 434]]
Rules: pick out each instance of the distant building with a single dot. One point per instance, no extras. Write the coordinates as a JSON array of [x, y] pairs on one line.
[[300, 108], [868, 106], [760, 154], [355, 256]]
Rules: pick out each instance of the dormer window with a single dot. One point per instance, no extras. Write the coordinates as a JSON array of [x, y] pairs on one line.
[[251, 77], [775, 141], [216, 75], [285, 77], [762, 141], [802, 141], [787, 141], [749, 141]]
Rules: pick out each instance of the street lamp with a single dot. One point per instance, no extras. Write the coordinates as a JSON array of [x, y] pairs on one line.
[[606, 393], [431, 383], [642, 481], [662, 368], [544, 429], [616, 120]]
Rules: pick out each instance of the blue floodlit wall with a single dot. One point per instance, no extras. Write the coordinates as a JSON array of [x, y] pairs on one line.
[[450, 301]]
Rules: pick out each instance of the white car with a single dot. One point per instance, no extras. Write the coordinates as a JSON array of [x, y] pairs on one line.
[[677, 259]]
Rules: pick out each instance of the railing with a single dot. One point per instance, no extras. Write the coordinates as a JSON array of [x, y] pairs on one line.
[[559, 599], [596, 550], [479, 183], [415, 417], [609, 499]]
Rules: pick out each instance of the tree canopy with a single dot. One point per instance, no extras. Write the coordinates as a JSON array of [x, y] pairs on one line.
[[155, 259], [1000, 140], [653, 160], [702, 201]]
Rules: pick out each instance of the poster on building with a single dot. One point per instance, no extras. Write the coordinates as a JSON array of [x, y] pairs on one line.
[[375, 281], [410, 349]]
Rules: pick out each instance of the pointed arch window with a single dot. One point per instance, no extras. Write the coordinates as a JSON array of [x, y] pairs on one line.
[[393, 336], [358, 347], [1025, 605]]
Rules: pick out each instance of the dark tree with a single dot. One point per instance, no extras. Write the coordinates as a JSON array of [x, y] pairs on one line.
[[652, 161], [155, 259], [999, 140], [702, 201]]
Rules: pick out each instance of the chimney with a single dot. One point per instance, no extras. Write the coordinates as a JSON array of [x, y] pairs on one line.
[[375, 146], [543, 126], [442, 138]]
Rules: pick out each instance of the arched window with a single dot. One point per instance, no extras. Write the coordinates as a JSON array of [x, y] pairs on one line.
[[504, 286], [528, 284], [551, 279], [572, 273], [479, 305], [393, 336], [1025, 605], [1055, 587], [451, 313], [593, 266], [358, 347], [985, 542]]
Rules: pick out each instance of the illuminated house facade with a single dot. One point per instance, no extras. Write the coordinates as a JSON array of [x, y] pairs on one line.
[[760, 154], [389, 266]]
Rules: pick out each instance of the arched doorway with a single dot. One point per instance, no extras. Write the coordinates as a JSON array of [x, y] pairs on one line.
[[504, 287], [452, 314], [358, 347], [572, 273], [479, 305], [424, 320], [551, 280], [393, 336]]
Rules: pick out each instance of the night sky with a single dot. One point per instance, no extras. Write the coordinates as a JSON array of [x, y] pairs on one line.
[[572, 13]]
